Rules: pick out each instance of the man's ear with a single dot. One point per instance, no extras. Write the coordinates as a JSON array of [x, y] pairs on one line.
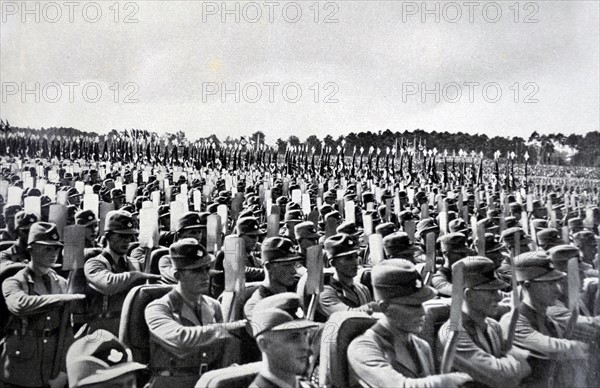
[[526, 284], [177, 275]]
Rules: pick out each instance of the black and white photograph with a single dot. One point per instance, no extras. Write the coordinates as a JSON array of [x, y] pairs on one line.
[[299, 194]]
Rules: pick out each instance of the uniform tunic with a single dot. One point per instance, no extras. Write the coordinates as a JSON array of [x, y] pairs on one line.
[[38, 330]]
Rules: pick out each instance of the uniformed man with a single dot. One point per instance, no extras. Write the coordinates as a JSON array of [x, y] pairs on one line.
[[548, 238], [588, 245], [481, 350], [535, 330], [186, 335], [39, 329], [9, 233], [306, 236], [18, 253], [454, 247], [389, 354], [284, 339], [292, 218], [101, 360], [118, 198], [190, 225], [279, 258], [398, 246], [88, 219], [112, 274], [343, 293]]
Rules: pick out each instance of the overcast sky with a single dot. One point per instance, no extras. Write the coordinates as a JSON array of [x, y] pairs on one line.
[[367, 68]]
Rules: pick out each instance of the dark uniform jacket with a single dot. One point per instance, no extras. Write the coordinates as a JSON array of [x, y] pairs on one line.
[[337, 297], [15, 254], [38, 331]]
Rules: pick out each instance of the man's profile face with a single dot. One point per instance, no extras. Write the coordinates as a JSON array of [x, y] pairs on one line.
[[545, 293], [404, 317], [119, 242], [288, 350], [346, 265], [42, 255], [483, 301], [195, 281], [283, 273]]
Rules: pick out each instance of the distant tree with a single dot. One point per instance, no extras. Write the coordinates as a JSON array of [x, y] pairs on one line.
[[293, 141], [313, 141], [281, 145], [258, 137]]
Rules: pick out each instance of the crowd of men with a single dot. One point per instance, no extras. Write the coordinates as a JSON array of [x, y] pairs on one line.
[[266, 257]]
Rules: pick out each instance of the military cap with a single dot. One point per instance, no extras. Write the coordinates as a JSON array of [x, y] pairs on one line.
[[188, 253], [349, 196], [164, 211], [575, 223], [386, 194], [405, 215], [325, 209], [549, 236], [374, 216], [386, 228], [224, 200], [305, 229], [508, 236], [333, 215], [454, 242], [492, 243], [511, 222], [537, 204], [212, 208], [425, 226], [339, 245], [246, 213], [488, 225], [515, 207], [99, 358], [292, 206], [398, 279], [458, 226], [45, 201], [420, 195], [117, 193], [349, 228], [85, 217], [278, 250], [24, 220], [398, 243], [493, 214], [294, 216], [368, 196], [561, 254], [190, 220], [120, 221], [535, 266], [479, 274], [330, 194], [44, 233], [33, 192], [72, 192], [11, 210], [539, 224], [279, 312], [585, 236], [248, 226]]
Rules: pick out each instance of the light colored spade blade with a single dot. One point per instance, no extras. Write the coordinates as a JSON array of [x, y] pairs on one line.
[[50, 191], [409, 228], [57, 214], [574, 293], [443, 223], [388, 209], [236, 205], [213, 233], [330, 227], [74, 240], [376, 248], [182, 199], [481, 239], [314, 266], [14, 195], [176, 213], [104, 208], [349, 211], [197, 196], [4, 189], [455, 317], [62, 197], [149, 234], [234, 267], [367, 224], [80, 187], [130, 192], [306, 204], [222, 211], [273, 225], [91, 202], [424, 211], [429, 257], [33, 205], [297, 196]]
